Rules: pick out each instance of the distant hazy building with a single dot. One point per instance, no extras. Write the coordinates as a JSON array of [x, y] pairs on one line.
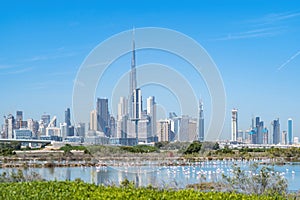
[[252, 136], [64, 129], [276, 131], [122, 108], [46, 119], [184, 129], [175, 126], [265, 133], [80, 130], [284, 138], [193, 130], [234, 124], [296, 140], [151, 112], [19, 119], [22, 134], [53, 131], [163, 130], [144, 132], [112, 127], [33, 126], [201, 122], [42, 129], [259, 131], [122, 118], [10, 126], [94, 120], [290, 131], [240, 136], [68, 117], [68, 120]]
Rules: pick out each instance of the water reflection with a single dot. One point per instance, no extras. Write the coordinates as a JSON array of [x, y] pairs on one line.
[[158, 176]]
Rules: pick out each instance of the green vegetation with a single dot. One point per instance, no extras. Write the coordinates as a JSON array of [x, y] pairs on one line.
[[194, 148], [287, 154], [81, 190], [139, 149], [255, 180], [7, 149], [68, 148], [260, 180]]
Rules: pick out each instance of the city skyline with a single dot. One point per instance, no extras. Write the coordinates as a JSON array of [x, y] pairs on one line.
[[252, 46]]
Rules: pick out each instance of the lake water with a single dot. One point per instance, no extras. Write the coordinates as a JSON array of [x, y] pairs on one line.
[[159, 176]]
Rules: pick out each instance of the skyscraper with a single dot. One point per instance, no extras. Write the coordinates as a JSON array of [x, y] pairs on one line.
[[68, 120], [137, 104], [276, 131], [132, 81], [68, 117], [122, 108], [290, 131], [284, 138], [234, 124], [93, 120], [10, 120], [19, 119], [46, 119], [112, 126], [151, 112], [103, 115], [201, 122]]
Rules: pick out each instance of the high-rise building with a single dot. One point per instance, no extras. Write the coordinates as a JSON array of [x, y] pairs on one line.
[[46, 119], [259, 132], [103, 115], [33, 126], [132, 81], [19, 119], [175, 126], [64, 130], [10, 123], [201, 122], [290, 131], [163, 130], [80, 129], [151, 112], [276, 131], [112, 126], [68, 117], [234, 124], [68, 120], [284, 138], [122, 108], [137, 104], [93, 120], [240, 136], [265, 136]]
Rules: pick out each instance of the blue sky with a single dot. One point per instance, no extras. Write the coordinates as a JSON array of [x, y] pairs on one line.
[[255, 45]]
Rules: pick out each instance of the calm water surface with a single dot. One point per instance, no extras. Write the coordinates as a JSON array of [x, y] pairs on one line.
[[159, 176]]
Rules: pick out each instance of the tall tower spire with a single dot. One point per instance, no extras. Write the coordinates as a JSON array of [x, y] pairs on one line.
[[133, 70], [132, 83]]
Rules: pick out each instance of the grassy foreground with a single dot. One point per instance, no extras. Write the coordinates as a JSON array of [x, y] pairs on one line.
[[81, 190]]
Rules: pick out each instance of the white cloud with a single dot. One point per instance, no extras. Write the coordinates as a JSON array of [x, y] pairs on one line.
[[255, 33]]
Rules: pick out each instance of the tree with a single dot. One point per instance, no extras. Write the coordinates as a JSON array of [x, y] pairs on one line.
[[195, 147], [257, 180]]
